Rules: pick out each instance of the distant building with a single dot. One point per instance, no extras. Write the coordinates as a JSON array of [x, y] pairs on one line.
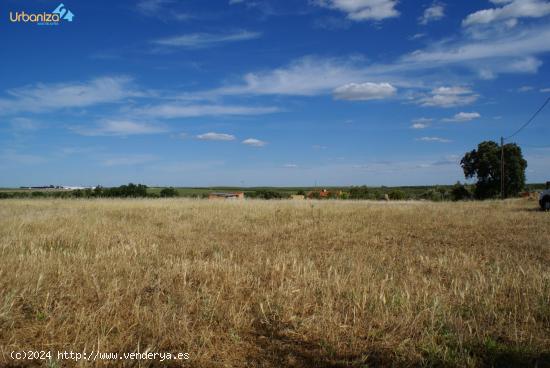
[[234, 196], [324, 193]]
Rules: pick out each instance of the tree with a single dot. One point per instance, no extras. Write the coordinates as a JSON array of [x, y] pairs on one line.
[[361, 192], [397, 195], [459, 192], [168, 192], [484, 164]]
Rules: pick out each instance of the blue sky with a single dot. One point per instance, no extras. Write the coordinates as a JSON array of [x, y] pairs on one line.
[[264, 92]]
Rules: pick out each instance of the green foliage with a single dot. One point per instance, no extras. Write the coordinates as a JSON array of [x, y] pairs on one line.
[[484, 164], [268, 194], [359, 193], [397, 195], [459, 192], [124, 191], [168, 192]]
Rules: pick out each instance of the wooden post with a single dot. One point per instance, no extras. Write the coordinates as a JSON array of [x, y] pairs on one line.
[[502, 167]]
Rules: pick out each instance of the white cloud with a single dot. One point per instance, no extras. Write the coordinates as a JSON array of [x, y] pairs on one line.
[[421, 123], [307, 76], [419, 126], [120, 128], [201, 40], [254, 142], [360, 10], [511, 11], [290, 166], [435, 12], [46, 97], [508, 45], [364, 91], [173, 111], [211, 136], [524, 65], [463, 117], [448, 97], [525, 88], [545, 90], [433, 139]]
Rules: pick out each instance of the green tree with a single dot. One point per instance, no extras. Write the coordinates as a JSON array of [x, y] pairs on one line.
[[459, 192], [484, 164], [397, 195], [168, 192], [361, 192]]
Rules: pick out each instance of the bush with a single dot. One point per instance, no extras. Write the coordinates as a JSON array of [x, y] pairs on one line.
[[459, 192], [267, 194], [168, 192], [359, 192], [397, 195], [431, 195]]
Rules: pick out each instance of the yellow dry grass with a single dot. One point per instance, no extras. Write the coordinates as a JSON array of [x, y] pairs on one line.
[[273, 284]]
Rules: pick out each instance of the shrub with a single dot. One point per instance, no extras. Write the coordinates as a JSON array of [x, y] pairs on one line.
[[267, 194], [361, 192], [397, 195], [459, 192], [168, 192]]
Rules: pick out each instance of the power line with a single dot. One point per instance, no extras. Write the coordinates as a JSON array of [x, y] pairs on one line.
[[531, 119], [502, 139]]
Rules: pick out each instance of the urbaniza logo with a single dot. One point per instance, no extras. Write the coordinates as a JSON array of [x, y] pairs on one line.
[[54, 18]]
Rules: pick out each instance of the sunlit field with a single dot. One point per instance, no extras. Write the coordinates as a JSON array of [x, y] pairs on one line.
[[277, 283]]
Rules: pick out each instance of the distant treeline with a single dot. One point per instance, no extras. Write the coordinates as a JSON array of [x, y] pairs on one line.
[[455, 192], [124, 191]]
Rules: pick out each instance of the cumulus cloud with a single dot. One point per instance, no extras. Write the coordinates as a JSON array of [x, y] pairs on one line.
[[463, 117], [510, 11], [362, 10], [254, 142], [435, 12], [364, 91], [212, 136], [448, 97], [421, 123], [202, 40]]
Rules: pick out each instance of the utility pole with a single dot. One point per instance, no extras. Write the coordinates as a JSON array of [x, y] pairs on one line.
[[502, 167]]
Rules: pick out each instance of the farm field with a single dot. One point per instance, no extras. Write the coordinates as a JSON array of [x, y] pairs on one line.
[[277, 283]]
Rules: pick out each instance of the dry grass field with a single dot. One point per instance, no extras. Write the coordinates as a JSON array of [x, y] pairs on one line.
[[277, 284]]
